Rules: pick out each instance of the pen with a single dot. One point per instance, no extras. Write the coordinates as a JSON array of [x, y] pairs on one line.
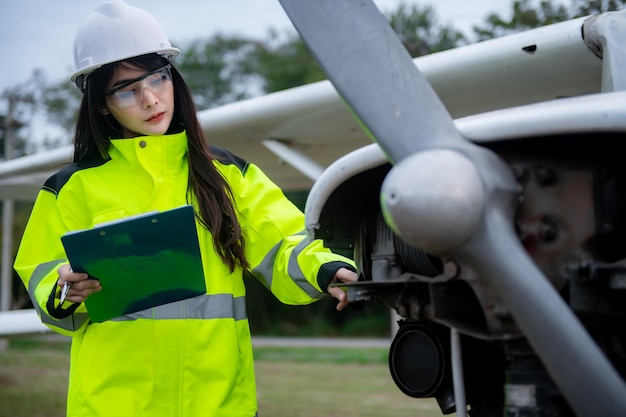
[[64, 291]]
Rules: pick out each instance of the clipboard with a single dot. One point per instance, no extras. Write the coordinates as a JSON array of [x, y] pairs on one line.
[[141, 261]]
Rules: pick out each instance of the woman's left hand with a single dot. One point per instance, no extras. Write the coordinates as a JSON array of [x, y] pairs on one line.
[[342, 275]]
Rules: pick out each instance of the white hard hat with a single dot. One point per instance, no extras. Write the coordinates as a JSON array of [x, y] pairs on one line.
[[115, 31]]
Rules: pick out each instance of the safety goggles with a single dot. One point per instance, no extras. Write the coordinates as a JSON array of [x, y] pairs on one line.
[[130, 93]]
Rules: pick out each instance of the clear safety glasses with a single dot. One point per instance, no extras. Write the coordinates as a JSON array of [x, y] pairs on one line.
[[130, 93]]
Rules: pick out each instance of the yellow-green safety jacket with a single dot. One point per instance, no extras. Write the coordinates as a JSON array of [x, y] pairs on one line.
[[188, 358]]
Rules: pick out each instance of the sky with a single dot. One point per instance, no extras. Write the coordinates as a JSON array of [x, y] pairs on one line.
[[40, 33]]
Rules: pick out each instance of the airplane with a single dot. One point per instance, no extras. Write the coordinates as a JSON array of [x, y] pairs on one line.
[[442, 195], [499, 241]]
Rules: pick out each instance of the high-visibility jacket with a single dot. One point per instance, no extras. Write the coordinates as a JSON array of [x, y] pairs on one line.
[[188, 358]]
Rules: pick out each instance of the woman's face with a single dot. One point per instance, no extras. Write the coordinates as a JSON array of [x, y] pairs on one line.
[[142, 102]]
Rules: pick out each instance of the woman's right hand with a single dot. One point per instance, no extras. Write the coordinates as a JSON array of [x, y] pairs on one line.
[[81, 286]]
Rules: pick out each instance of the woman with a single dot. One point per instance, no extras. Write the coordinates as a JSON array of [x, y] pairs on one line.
[[138, 148]]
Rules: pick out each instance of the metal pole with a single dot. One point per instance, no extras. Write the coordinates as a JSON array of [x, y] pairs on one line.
[[458, 379], [8, 208], [7, 248], [6, 274]]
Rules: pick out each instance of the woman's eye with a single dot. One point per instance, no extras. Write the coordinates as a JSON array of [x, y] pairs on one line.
[[125, 94], [156, 81]]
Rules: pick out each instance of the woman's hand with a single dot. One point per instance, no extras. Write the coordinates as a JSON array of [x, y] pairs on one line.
[[81, 287], [342, 275]]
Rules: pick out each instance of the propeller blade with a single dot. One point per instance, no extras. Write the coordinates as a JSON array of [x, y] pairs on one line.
[[447, 195], [584, 376], [374, 73]]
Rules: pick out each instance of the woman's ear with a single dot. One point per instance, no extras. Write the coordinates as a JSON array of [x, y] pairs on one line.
[[104, 111]]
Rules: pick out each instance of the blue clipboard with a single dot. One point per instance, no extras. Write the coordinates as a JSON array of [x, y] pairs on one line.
[[142, 261]]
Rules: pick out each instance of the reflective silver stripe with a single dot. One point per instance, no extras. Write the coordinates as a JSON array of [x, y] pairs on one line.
[[265, 270], [71, 323], [214, 306], [295, 272]]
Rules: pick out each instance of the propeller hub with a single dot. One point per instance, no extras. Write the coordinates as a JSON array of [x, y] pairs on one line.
[[433, 199]]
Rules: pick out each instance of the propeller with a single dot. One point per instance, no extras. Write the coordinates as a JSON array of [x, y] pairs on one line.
[[447, 195]]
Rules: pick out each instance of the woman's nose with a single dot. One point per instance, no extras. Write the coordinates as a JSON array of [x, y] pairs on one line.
[[148, 98]]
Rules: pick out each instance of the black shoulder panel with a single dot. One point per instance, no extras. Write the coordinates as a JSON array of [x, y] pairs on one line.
[[228, 158], [59, 179]]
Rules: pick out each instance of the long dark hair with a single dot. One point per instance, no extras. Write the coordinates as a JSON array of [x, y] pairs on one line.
[[217, 211]]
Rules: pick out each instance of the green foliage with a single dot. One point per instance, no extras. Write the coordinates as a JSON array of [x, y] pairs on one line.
[[525, 16], [21, 105], [283, 64], [216, 69], [530, 14], [224, 69], [419, 31], [589, 7], [62, 101]]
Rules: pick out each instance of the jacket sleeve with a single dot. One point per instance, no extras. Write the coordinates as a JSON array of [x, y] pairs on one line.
[[296, 268], [39, 256]]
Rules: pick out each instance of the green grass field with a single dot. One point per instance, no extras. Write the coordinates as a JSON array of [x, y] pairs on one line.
[[292, 382]]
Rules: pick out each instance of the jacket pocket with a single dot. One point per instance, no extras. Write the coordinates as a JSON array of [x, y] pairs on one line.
[[108, 215]]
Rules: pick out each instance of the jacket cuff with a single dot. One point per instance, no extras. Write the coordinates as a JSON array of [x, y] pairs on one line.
[[57, 311], [326, 272]]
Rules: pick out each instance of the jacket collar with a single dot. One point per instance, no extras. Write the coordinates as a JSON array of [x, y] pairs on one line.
[[157, 152]]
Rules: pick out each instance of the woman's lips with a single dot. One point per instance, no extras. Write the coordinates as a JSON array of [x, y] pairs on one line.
[[156, 118]]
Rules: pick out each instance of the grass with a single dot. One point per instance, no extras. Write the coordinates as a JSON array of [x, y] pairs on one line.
[[291, 382], [33, 379]]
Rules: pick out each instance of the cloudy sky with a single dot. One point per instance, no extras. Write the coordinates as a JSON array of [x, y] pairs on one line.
[[39, 33]]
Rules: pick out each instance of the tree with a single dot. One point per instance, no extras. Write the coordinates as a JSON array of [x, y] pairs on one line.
[[282, 63], [216, 69], [419, 31], [526, 16], [20, 106], [45, 113], [589, 7], [286, 62], [61, 101]]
